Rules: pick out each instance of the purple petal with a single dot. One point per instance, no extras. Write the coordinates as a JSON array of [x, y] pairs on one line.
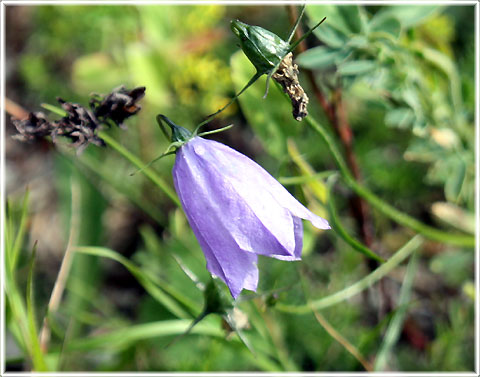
[[255, 219], [225, 259], [232, 163], [237, 210], [298, 229], [237, 268]]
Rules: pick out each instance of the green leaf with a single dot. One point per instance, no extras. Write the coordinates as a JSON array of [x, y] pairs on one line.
[[409, 15], [356, 67], [147, 66], [352, 17], [54, 109], [147, 281], [385, 24], [330, 36], [448, 66], [334, 18], [402, 117], [455, 180], [320, 57]]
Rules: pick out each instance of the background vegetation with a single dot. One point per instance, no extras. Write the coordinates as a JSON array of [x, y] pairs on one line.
[[392, 88]]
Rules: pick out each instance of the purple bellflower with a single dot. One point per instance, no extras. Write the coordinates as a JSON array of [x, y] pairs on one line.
[[236, 209]]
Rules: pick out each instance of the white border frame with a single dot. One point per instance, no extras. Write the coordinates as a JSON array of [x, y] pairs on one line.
[[5, 3]]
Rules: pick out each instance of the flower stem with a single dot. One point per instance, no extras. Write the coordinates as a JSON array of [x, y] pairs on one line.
[[359, 286], [388, 210], [149, 173]]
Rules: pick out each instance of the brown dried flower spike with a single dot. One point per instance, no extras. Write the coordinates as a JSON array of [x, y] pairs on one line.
[[80, 124], [117, 106], [287, 77]]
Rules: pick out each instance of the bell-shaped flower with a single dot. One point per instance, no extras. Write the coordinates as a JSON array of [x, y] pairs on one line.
[[236, 209]]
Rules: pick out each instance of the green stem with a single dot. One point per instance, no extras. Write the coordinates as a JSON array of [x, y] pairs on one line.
[[360, 285], [149, 173], [388, 210], [342, 232], [396, 324]]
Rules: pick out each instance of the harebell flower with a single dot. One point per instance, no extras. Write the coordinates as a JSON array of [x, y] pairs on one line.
[[236, 209]]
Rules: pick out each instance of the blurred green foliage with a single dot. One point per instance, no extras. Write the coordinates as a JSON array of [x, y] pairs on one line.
[[406, 76], [400, 59]]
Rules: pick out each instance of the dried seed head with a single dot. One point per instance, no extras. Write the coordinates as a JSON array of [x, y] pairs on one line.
[[118, 105], [35, 127], [81, 124], [287, 77]]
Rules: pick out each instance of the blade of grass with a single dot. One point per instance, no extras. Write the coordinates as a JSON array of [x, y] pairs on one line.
[[18, 323], [317, 186], [54, 109], [144, 279], [123, 337], [343, 341], [360, 285], [60, 282], [17, 245], [148, 172], [393, 331], [88, 162], [8, 232], [16, 304], [39, 364], [322, 192], [302, 179]]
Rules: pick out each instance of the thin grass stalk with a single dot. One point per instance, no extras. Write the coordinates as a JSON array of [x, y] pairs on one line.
[[393, 331], [343, 341], [360, 285], [402, 218], [148, 172], [65, 267]]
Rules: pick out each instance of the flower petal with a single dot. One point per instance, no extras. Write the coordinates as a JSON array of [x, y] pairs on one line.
[[298, 229], [236, 166], [225, 259], [257, 222], [237, 268]]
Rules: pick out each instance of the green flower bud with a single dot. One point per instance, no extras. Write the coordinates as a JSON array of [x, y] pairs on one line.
[[263, 48], [271, 55]]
